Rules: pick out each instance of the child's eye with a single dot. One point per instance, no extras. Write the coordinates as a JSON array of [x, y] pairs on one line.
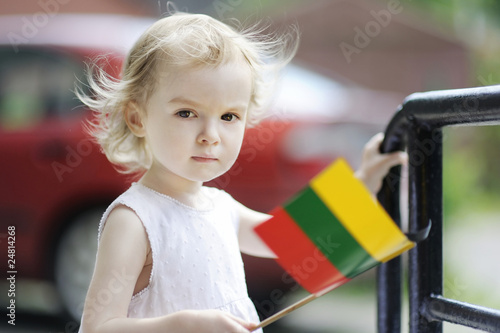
[[185, 114], [229, 117]]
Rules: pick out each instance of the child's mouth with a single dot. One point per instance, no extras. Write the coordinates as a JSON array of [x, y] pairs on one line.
[[204, 159]]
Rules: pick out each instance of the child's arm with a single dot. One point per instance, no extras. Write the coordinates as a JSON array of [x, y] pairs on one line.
[[250, 243], [122, 253], [374, 167]]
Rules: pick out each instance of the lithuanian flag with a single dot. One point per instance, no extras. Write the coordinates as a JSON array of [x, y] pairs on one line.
[[332, 231]]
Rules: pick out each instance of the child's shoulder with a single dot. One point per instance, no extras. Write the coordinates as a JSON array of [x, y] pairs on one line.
[[134, 196]]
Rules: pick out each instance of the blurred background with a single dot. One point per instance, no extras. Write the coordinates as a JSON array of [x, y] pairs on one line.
[[357, 61]]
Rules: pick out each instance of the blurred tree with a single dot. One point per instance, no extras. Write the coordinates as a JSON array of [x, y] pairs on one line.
[[472, 155], [477, 24]]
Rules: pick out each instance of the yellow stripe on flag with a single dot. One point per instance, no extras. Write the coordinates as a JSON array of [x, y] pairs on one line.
[[361, 215]]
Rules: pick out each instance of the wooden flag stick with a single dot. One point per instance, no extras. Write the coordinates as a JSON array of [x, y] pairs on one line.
[[286, 311]]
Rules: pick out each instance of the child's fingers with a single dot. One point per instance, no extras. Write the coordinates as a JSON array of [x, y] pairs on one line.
[[220, 321], [374, 143], [375, 165], [393, 159], [248, 326], [377, 139], [372, 148]]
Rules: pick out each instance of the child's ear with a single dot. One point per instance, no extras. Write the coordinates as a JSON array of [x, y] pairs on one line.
[[134, 117]]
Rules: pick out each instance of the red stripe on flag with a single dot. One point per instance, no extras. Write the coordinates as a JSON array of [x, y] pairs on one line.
[[298, 255]]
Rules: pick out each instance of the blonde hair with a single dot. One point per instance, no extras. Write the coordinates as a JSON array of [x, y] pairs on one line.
[[178, 40]]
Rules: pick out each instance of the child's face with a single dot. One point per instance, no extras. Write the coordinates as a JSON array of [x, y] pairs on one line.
[[195, 120]]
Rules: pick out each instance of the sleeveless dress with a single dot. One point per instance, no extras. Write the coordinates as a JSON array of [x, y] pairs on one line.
[[197, 263]]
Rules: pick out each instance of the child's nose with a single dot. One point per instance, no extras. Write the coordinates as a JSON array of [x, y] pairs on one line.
[[209, 133]]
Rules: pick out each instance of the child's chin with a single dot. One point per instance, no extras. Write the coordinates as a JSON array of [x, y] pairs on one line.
[[207, 178]]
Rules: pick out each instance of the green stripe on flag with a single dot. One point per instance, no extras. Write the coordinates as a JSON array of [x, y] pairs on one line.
[[328, 234]]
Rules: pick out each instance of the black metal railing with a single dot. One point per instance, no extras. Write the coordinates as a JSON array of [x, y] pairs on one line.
[[417, 128]]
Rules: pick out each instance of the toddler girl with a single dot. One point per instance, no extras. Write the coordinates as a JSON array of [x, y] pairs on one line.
[[169, 248]]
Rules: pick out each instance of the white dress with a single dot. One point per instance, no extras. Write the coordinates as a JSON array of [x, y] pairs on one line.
[[196, 259]]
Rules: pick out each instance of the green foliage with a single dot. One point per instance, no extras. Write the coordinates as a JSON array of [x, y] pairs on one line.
[[471, 176]]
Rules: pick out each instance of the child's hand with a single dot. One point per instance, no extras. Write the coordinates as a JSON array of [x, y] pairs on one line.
[[375, 166], [214, 321]]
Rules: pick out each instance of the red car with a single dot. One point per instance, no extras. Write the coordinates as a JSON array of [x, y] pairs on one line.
[[55, 183]]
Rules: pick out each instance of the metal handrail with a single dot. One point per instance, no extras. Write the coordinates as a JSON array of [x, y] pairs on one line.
[[417, 128]]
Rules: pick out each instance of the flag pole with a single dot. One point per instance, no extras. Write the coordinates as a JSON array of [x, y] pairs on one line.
[[286, 311]]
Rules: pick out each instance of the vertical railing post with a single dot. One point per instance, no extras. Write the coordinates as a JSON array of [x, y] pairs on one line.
[[417, 126], [425, 204], [389, 274]]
